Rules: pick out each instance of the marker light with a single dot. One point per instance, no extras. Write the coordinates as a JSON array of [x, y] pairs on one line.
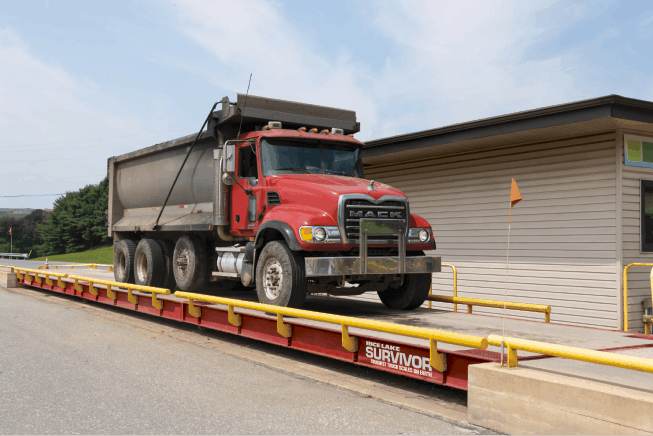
[[266, 128], [306, 233], [351, 135], [325, 131], [313, 130], [301, 129]]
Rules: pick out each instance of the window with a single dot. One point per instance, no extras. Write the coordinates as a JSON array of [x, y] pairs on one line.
[[247, 163], [638, 151], [646, 222]]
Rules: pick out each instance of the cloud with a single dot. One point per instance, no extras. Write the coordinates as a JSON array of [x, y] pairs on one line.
[[254, 37], [448, 62], [42, 103]]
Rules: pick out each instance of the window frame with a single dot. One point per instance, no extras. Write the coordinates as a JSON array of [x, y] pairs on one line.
[[631, 163]]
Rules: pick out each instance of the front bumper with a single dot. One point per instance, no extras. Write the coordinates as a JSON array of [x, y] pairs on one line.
[[347, 266]]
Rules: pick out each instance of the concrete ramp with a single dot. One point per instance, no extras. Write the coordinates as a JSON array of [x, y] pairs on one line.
[[554, 396]]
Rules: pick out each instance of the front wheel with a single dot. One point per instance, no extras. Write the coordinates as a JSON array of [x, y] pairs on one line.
[[280, 276], [410, 295]]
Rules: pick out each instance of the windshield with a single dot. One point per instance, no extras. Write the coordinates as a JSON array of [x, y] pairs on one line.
[[279, 156]]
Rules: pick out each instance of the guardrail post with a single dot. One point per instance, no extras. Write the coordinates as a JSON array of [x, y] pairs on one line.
[[194, 310], [349, 343], [438, 361], [110, 292], [48, 280], [469, 308], [156, 303], [77, 287], [133, 299], [19, 276], [60, 283], [284, 330], [234, 318], [547, 317], [512, 357]]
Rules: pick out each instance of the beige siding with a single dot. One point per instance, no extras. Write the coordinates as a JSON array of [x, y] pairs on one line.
[[563, 240], [639, 284]]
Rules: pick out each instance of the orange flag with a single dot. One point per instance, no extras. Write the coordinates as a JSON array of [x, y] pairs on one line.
[[515, 196]]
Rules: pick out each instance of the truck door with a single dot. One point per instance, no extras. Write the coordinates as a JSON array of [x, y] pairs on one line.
[[245, 208]]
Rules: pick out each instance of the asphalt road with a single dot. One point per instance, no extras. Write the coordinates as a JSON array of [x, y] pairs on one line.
[[72, 367]]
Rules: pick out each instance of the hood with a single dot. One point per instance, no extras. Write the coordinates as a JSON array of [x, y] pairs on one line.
[[330, 185]]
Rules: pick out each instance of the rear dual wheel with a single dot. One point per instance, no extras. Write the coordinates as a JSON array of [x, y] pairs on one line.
[[148, 263]]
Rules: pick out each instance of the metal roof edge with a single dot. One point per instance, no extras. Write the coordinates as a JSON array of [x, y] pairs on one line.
[[584, 110]]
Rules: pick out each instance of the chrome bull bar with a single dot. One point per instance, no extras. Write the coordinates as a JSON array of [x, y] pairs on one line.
[[347, 266]]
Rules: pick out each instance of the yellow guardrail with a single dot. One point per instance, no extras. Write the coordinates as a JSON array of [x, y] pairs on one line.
[[600, 357], [130, 287], [625, 279], [455, 285], [348, 342], [546, 310], [79, 265], [21, 273]]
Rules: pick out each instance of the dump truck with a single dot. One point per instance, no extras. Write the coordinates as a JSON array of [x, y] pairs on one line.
[[270, 194]]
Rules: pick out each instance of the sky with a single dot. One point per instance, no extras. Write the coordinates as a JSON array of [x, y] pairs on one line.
[[83, 81]]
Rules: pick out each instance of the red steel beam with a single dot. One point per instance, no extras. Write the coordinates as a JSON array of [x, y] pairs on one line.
[[381, 354]]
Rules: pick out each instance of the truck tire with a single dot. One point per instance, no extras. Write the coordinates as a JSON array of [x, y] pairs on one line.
[[167, 249], [148, 264], [410, 295], [123, 261], [190, 263], [280, 276]]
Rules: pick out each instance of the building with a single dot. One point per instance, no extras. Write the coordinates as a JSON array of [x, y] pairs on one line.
[[585, 171]]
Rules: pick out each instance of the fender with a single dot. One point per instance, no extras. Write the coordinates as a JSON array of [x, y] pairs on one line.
[[285, 230]]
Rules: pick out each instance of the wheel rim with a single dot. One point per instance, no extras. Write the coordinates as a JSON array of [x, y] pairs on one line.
[[121, 264], [182, 262], [141, 266], [273, 279]]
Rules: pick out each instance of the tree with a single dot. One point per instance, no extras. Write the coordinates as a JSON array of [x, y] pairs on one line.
[[26, 236], [77, 221]]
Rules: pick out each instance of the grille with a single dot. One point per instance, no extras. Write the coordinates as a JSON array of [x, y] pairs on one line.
[[357, 209], [273, 198]]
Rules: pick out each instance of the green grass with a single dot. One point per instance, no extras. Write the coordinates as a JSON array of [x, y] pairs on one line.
[[97, 255]]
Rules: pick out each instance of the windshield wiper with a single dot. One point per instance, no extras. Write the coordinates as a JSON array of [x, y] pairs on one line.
[[293, 169], [340, 173]]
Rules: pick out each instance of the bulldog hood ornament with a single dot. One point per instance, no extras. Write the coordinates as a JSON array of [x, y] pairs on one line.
[[371, 186]]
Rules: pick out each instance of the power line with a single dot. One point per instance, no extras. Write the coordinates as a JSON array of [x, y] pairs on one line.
[[35, 195], [93, 139], [52, 160]]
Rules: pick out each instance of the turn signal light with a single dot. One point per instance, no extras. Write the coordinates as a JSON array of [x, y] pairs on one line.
[[306, 233]]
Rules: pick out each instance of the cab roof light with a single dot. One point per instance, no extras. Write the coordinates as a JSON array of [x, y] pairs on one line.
[[336, 131], [301, 129], [313, 130], [325, 131]]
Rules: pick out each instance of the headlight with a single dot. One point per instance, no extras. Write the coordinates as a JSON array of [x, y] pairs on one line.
[[320, 234], [419, 236]]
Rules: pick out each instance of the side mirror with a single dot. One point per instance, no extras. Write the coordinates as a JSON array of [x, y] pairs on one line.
[[230, 158]]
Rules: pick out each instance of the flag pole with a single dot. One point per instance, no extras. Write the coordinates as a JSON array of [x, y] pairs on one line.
[[515, 197]]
